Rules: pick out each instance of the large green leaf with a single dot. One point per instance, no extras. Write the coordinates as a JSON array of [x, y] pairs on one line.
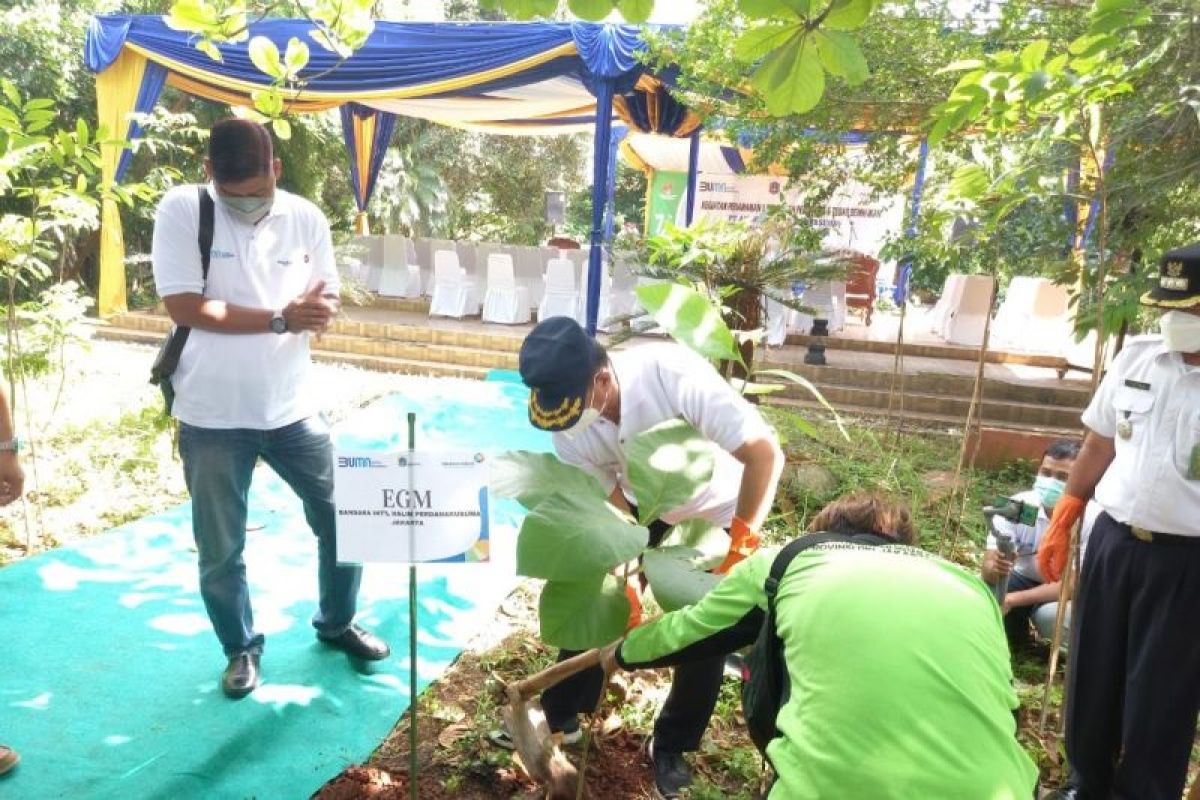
[[757, 42], [296, 57], [1034, 54], [527, 9], [635, 10], [534, 477], [848, 14], [791, 78], [765, 9], [701, 535], [841, 56], [969, 182], [580, 615], [666, 465], [265, 56], [677, 576], [689, 317], [574, 537], [591, 9]]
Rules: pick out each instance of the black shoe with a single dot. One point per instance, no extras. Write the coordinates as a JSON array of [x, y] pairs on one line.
[[359, 643], [671, 773], [241, 676]]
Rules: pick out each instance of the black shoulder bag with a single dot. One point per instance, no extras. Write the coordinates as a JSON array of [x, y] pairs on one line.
[[767, 688], [172, 347]]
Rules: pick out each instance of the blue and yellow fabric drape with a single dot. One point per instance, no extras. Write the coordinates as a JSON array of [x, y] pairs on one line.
[[367, 133], [505, 78]]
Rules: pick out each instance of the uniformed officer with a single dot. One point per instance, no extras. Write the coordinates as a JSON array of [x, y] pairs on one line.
[[1133, 689]]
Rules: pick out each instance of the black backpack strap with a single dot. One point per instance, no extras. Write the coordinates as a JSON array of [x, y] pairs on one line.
[[168, 356], [204, 235]]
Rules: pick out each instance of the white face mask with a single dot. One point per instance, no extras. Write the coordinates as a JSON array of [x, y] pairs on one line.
[[249, 210], [586, 419], [1181, 331]]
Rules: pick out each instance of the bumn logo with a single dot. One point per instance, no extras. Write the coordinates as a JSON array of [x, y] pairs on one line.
[[358, 462]]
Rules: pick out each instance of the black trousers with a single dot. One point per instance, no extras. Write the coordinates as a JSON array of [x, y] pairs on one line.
[[685, 714], [1133, 687]]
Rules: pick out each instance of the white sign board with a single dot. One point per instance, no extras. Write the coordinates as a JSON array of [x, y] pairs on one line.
[[852, 218], [411, 507]]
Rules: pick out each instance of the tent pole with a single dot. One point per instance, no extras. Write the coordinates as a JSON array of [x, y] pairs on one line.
[[693, 171], [600, 150]]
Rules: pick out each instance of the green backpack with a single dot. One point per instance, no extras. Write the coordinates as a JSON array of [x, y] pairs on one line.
[[766, 688]]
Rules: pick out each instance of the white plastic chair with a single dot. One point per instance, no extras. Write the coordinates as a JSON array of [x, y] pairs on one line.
[[505, 301], [401, 276], [561, 298], [454, 294]]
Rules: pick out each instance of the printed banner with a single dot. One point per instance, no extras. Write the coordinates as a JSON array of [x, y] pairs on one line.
[[852, 219], [411, 507]]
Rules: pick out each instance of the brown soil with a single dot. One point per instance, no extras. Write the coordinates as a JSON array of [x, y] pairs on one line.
[[456, 759]]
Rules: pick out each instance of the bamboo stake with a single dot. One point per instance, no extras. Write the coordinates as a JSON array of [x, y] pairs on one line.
[[1065, 591]]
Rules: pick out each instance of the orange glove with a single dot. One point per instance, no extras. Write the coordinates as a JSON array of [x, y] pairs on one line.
[[742, 542], [1055, 545], [635, 607]]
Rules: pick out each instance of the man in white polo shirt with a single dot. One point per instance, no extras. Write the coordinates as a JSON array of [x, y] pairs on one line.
[[1133, 689], [240, 384], [595, 402]]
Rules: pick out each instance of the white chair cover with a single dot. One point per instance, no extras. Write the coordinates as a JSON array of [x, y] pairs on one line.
[[454, 294], [370, 260], [401, 277], [561, 298], [970, 306], [622, 296], [505, 302]]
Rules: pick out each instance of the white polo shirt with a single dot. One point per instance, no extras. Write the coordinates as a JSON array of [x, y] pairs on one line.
[[665, 381], [243, 380], [1028, 538], [1149, 405]]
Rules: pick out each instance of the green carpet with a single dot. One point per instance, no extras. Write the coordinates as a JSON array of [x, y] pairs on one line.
[[109, 684]]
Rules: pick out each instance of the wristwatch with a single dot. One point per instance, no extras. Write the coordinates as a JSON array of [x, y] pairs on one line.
[[278, 323], [12, 445]]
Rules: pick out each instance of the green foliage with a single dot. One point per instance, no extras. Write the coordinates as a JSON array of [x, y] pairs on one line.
[[409, 191], [679, 575], [532, 478], [690, 318], [572, 537], [657, 460], [578, 615], [340, 26], [43, 329]]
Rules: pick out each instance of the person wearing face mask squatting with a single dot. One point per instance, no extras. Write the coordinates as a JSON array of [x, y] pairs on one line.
[[1133, 686], [1029, 595], [240, 387], [594, 402]]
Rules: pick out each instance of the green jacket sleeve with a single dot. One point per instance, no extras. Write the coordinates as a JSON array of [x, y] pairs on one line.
[[726, 619]]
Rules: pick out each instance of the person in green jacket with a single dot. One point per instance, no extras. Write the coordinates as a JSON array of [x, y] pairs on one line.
[[900, 684]]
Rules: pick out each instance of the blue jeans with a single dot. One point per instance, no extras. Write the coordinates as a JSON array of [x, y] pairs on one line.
[[218, 465]]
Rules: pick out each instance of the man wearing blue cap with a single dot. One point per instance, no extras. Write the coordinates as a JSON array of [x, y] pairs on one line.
[[594, 402]]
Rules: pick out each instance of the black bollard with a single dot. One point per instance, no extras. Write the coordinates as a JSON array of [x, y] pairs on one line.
[[816, 350]]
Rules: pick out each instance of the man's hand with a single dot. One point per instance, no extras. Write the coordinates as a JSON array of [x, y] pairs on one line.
[[1055, 545], [311, 311], [996, 566], [12, 477]]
